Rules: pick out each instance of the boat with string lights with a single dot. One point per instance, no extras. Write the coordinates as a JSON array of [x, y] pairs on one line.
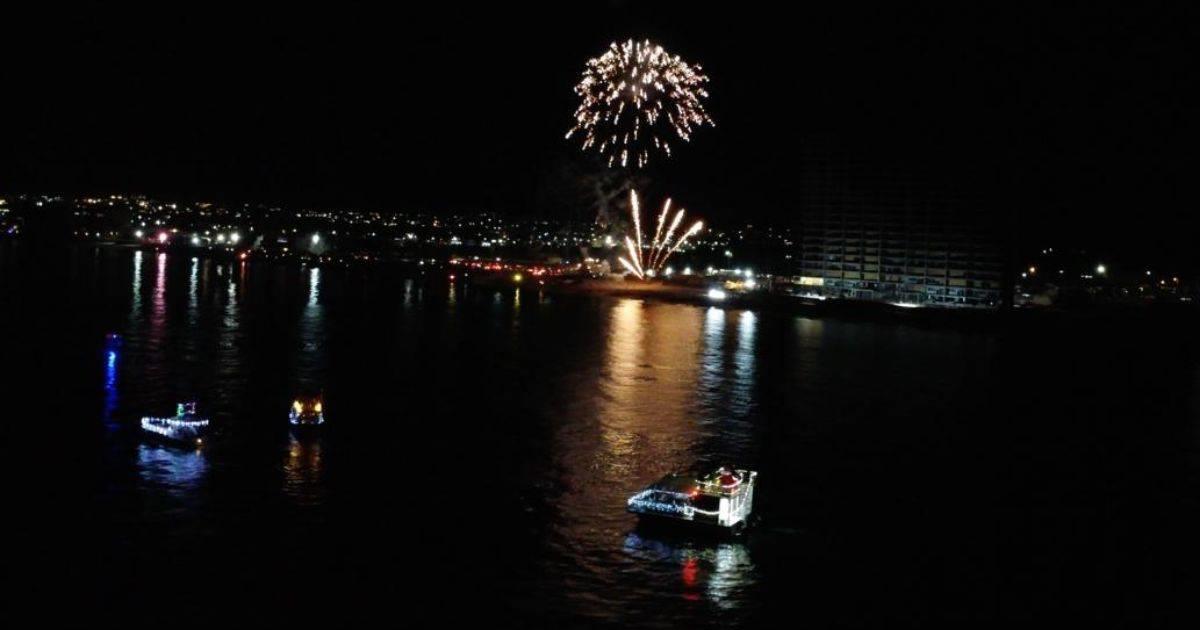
[[184, 428], [721, 500], [307, 412]]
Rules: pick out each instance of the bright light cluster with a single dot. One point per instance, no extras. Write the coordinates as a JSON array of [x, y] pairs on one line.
[[633, 97], [643, 264]]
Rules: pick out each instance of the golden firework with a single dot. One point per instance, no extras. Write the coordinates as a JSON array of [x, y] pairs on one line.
[[643, 263], [635, 98]]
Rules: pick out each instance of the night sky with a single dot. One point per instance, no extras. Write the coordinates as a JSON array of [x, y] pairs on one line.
[[1071, 125]]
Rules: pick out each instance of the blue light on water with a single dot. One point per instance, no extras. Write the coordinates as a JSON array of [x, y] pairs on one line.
[[110, 381]]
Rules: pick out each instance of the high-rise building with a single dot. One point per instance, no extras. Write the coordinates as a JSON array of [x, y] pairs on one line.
[[869, 234]]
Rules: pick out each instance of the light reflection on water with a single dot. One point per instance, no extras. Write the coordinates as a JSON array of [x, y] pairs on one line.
[[660, 403], [304, 470], [669, 382], [719, 571], [177, 472], [562, 406]]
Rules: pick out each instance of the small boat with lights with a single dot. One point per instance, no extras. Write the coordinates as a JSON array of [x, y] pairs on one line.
[[720, 501], [307, 412], [185, 428]]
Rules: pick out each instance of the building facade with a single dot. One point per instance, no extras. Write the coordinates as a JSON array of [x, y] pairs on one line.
[[864, 236]]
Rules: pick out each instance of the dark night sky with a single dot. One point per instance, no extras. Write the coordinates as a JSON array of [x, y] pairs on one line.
[[1074, 123]]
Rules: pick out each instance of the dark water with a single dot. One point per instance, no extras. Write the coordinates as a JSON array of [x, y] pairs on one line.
[[481, 443]]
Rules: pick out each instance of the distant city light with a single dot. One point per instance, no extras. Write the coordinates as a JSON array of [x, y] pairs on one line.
[[687, 271], [1032, 270], [750, 283], [195, 240], [1101, 269], [517, 277], [728, 254], [716, 294], [220, 238], [234, 238], [139, 233], [316, 238], [162, 237]]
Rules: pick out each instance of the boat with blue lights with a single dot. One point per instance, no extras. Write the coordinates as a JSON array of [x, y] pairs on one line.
[[307, 412], [718, 501], [186, 427]]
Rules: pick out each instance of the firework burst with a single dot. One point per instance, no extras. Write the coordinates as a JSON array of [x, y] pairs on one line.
[[636, 98], [645, 261]]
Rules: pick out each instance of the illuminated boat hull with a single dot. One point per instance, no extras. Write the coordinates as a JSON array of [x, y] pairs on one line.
[[191, 432], [307, 412], [185, 428], [306, 420], [705, 503]]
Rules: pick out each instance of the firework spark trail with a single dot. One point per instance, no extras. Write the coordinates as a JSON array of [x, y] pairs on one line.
[[637, 222], [633, 96], [683, 239], [628, 265], [635, 255], [670, 232], [658, 230], [660, 249]]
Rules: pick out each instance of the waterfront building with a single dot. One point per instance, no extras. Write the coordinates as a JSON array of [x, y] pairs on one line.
[[864, 235]]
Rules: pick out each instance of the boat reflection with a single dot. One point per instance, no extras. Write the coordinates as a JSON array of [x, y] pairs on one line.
[[112, 348], [176, 472], [303, 470], [719, 572]]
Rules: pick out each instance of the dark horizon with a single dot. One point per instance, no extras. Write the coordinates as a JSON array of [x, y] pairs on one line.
[[1065, 126]]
